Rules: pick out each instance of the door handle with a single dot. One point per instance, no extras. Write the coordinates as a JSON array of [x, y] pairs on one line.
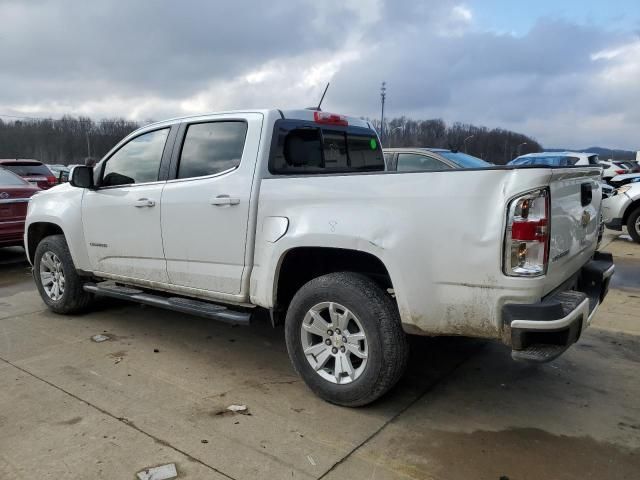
[[222, 200], [144, 202]]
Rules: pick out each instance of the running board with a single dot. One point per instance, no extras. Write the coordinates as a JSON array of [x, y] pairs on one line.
[[178, 304], [539, 353]]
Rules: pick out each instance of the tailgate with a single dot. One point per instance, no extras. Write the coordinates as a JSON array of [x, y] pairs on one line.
[[575, 219]]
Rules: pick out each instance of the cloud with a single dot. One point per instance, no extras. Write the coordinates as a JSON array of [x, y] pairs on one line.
[[566, 84]]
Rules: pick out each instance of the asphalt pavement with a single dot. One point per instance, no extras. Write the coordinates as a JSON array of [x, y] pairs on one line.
[[157, 391]]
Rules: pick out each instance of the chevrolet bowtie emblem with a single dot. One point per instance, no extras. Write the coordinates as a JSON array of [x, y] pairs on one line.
[[586, 218]]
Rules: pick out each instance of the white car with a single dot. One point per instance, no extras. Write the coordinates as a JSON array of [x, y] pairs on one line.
[[558, 159], [622, 209], [292, 211], [612, 169]]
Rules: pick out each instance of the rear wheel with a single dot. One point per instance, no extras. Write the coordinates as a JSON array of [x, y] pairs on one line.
[[59, 284], [633, 225], [345, 339]]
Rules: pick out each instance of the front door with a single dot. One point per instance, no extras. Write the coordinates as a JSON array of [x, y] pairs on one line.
[[121, 217], [205, 208]]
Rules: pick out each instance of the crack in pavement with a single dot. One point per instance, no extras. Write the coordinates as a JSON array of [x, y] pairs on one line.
[[122, 420], [439, 380]]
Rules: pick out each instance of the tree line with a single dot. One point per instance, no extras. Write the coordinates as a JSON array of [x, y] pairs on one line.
[[495, 145], [66, 141], [71, 140]]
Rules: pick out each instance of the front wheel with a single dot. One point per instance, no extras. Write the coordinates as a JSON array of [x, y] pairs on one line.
[[633, 225], [345, 339], [59, 284]]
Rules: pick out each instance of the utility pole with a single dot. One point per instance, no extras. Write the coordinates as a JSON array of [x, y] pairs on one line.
[[383, 95]]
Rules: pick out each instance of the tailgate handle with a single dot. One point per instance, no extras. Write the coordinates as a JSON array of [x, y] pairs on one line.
[[586, 193]]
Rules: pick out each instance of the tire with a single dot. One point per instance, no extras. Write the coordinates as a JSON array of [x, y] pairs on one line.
[[633, 225], [361, 307], [52, 256]]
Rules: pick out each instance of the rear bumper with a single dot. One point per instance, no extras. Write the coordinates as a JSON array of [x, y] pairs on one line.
[[542, 331]]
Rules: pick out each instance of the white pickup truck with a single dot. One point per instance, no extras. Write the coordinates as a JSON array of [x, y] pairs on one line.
[[225, 214]]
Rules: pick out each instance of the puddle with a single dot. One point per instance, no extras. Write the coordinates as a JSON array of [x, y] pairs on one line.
[[627, 274], [515, 453]]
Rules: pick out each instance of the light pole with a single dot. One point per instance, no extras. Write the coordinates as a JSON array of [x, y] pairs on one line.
[[390, 132], [464, 142], [518, 148], [383, 96]]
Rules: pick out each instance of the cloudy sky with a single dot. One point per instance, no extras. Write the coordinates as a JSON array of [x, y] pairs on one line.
[[566, 71]]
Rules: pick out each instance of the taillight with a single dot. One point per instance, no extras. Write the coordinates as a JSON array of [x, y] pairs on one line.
[[330, 118], [526, 250], [51, 180], [620, 172]]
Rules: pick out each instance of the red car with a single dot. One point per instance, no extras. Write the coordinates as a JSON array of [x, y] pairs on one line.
[[33, 171], [14, 197]]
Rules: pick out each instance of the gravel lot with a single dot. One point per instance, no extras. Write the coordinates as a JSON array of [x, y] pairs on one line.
[[157, 390]]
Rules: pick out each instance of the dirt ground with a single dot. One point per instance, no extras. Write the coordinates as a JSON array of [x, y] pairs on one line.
[[157, 390]]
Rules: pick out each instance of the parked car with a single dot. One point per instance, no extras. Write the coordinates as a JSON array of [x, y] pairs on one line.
[[622, 209], [607, 190], [429, 159], [33, 171], [557, 159], [60, 171], [292, 211], [620, 180], [14, 196], [611, 169]]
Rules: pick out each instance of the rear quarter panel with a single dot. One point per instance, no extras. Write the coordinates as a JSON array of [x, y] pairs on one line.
[[440, 235]]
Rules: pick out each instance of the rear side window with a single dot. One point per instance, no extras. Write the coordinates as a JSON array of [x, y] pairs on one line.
[[211, 148], [304, 148], [412, 162], [28, 169], [593, 160]]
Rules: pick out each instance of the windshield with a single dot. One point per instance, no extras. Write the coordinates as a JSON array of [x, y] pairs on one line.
[[464, 160], [23, 169], [549, 161]]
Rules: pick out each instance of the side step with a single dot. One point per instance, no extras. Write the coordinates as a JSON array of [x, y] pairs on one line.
[[539, 353], [178, 304]]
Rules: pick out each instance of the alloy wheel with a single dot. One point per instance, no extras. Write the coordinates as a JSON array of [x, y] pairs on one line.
[[334, 342], [52, 275]]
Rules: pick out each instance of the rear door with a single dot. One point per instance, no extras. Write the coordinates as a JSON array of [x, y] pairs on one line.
[[205, 204], [121, 218]]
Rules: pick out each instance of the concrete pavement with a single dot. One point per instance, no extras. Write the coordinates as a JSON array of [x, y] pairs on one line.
[[73, 408]]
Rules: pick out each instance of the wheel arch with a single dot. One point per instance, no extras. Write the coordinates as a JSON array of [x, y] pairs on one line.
[[299, 265], [630, 209], [36, 232]]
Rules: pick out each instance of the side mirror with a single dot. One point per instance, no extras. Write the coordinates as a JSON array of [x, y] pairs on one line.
[[82, 177]]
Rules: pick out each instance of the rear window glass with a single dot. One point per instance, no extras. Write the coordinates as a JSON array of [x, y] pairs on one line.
[[8, 178], [547, 161], [304, 148], [464, 160], [27, 169], [413, 162]]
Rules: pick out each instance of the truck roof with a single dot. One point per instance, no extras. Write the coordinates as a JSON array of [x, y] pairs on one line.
[[294, 114]]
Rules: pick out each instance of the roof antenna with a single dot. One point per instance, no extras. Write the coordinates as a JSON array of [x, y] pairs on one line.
[[321, 99]]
